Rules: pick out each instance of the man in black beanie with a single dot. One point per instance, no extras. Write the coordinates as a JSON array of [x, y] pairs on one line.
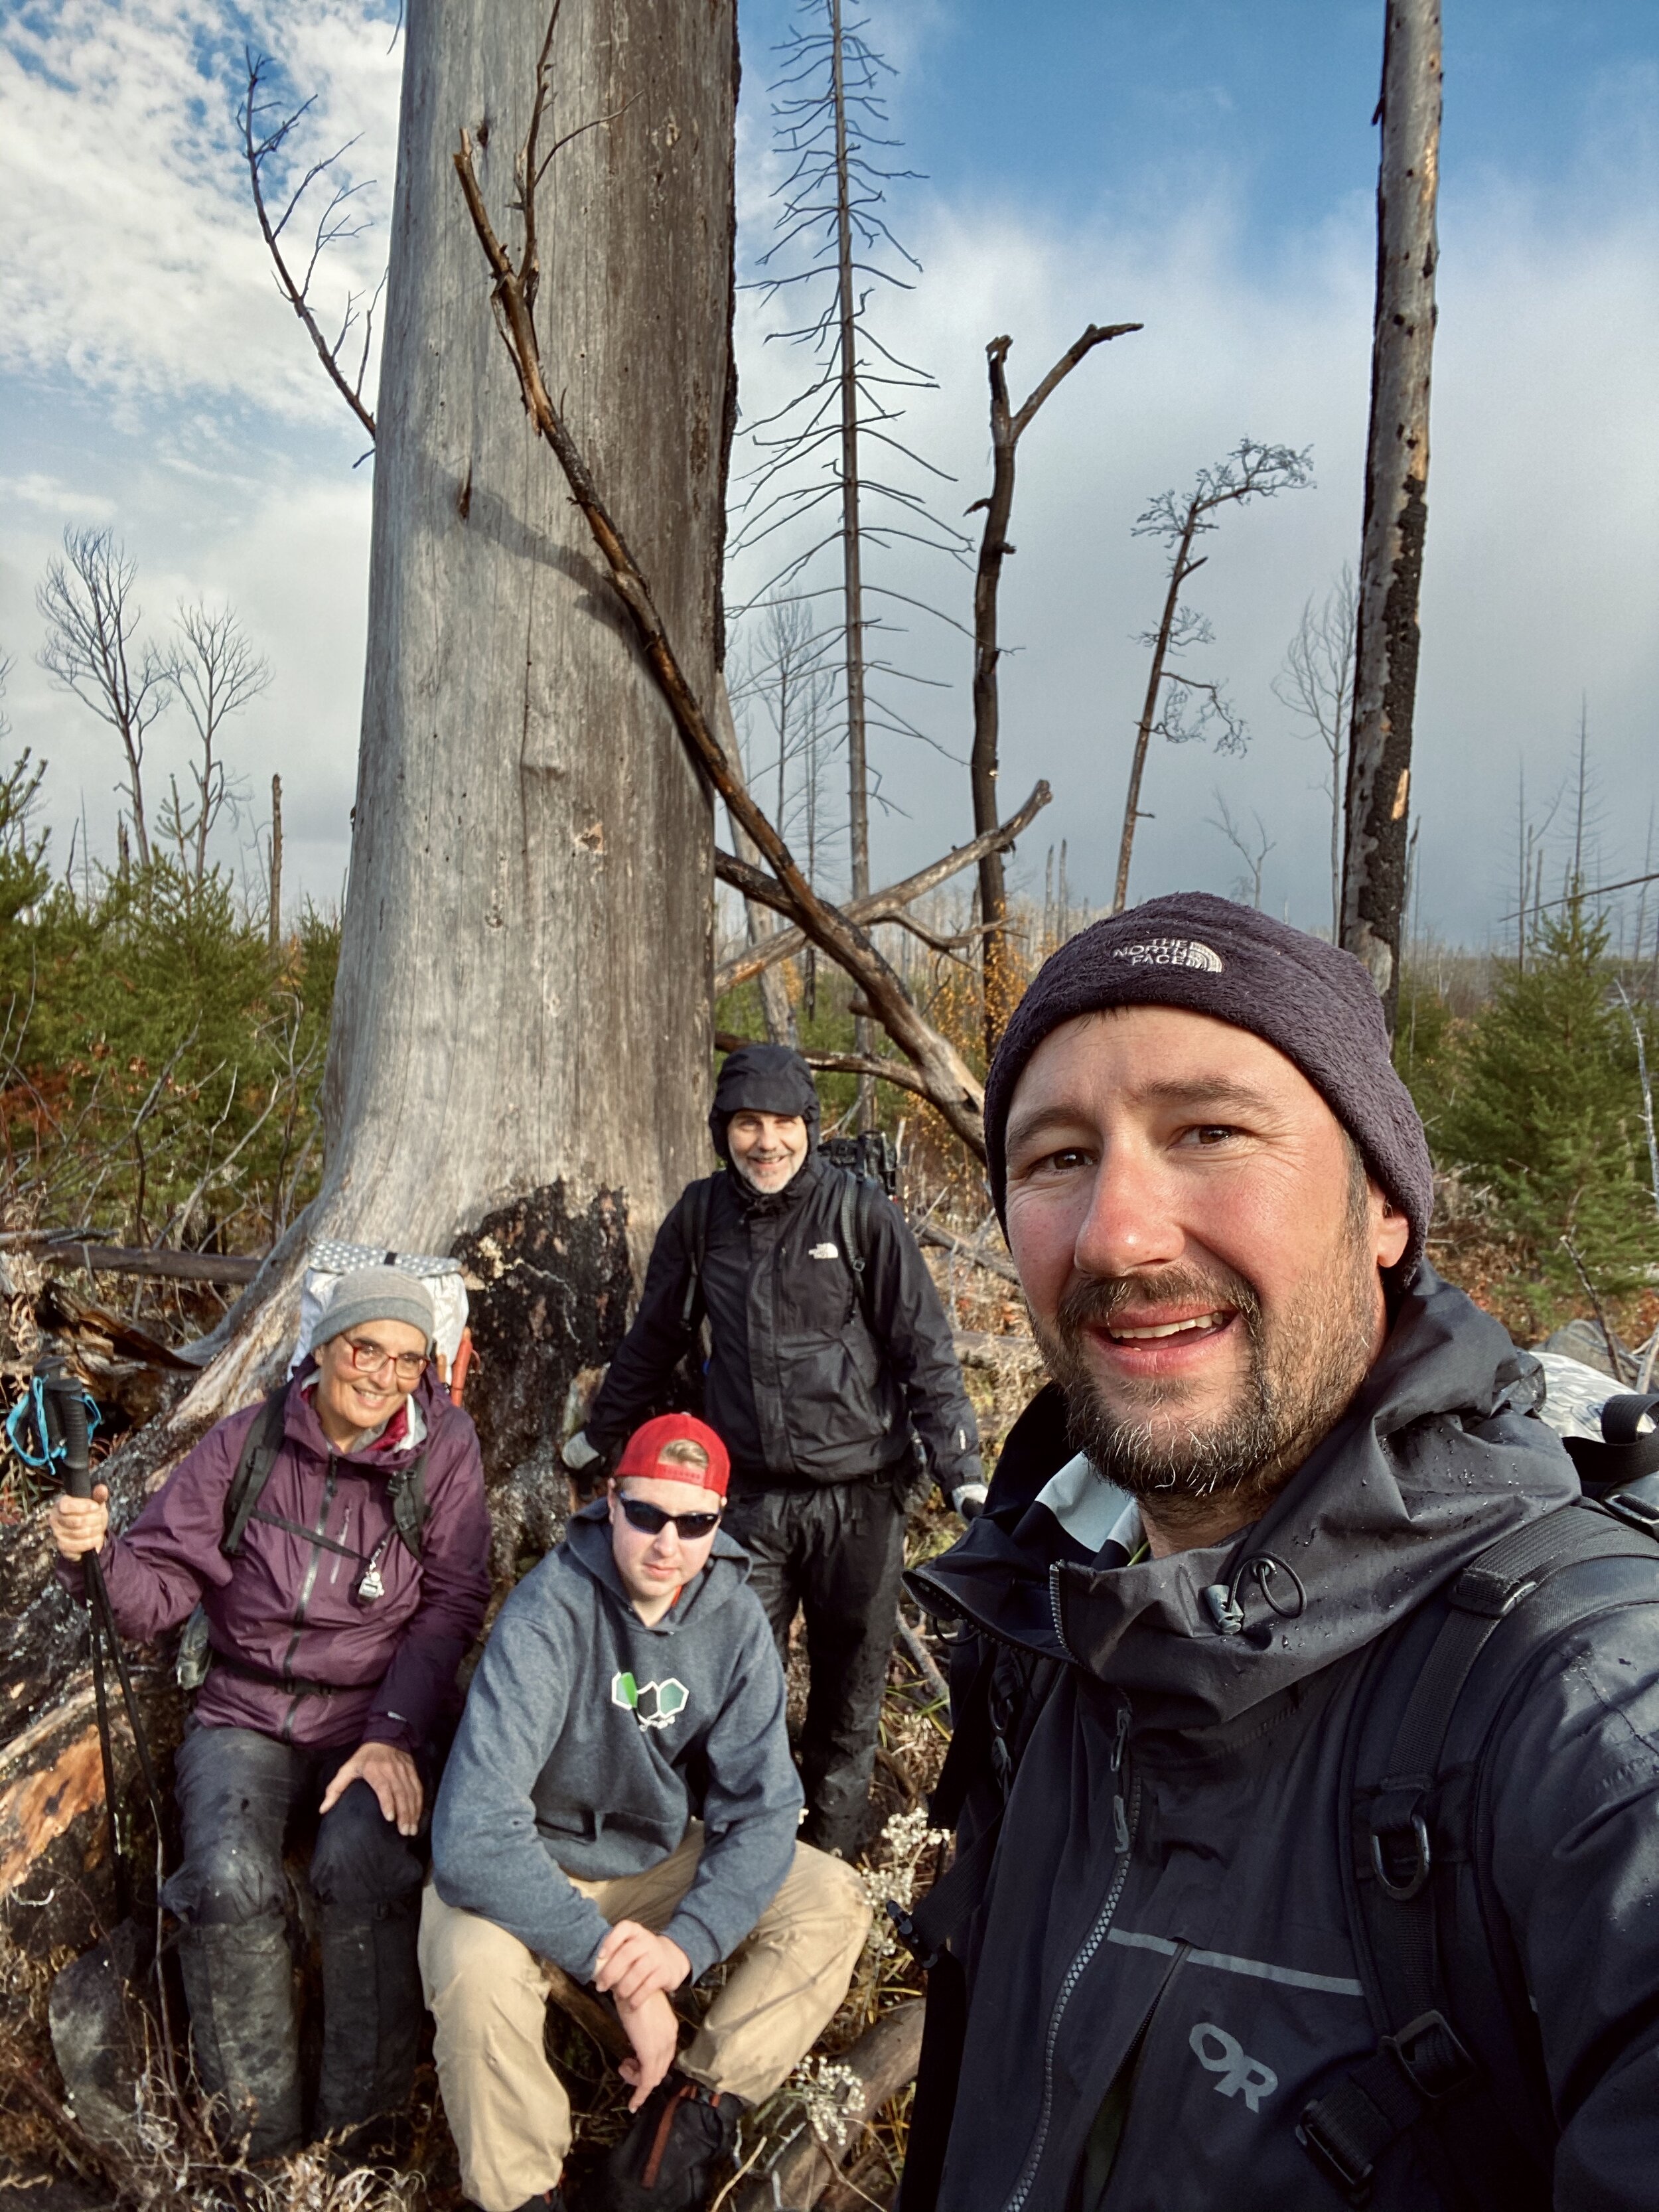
[[828, 1353], [1304, 1765]]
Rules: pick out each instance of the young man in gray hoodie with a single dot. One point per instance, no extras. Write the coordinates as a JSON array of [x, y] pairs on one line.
[[621, 1802]]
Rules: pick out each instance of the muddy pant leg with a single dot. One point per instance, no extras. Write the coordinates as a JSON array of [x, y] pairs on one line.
[[850, 1591], [785, 1982], [507, 2108], [366, 1878], [235, 1790]]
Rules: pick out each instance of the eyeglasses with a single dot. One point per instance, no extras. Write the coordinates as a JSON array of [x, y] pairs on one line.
[[371, 1358], [651, 1520]]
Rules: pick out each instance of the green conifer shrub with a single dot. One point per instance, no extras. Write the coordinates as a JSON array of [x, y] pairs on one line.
[[1545, 1117]]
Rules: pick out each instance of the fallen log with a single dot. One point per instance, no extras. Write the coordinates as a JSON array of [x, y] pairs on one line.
[[883, 2059], [995, 1263], [978, 1347], [924, 1659], [139, 1259], [598, 2022]]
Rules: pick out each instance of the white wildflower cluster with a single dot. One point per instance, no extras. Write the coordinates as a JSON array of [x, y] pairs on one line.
[[831, 2096], [906, 1840]]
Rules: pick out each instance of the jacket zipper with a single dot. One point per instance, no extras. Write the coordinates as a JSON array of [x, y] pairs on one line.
[[330, 1482], [1124, 1827]]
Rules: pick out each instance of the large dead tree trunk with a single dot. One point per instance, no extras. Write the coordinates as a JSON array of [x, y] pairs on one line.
[[519, 1056], [1396, 493]]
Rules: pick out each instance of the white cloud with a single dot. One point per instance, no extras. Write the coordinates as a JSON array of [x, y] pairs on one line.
[[1543, 533], [170, 392], [133, 264]]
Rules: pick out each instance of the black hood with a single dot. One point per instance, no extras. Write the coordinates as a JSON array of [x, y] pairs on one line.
[[1438, 1455], [764, 1079]]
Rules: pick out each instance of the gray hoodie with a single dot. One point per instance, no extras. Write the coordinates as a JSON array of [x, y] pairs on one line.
[[590, 1740]]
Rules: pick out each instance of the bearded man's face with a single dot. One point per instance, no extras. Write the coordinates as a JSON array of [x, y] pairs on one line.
[[1199, 1249]]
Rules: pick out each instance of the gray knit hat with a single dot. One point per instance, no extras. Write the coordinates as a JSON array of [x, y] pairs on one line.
[[375, 1294], [1312, 1001]]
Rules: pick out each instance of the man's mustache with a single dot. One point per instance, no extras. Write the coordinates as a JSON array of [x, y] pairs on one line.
[[1096, 1301]]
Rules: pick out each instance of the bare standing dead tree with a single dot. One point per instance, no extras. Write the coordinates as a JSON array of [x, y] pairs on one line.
[[1396, 489], [94, 649], [1253, 851], [1316, 684], [1008, 425], [1180, 706], [940, 1071], [265, 134], [216, 671], [834, 445]]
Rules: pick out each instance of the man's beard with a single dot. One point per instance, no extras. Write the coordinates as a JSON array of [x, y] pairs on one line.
[[1301, 1371]]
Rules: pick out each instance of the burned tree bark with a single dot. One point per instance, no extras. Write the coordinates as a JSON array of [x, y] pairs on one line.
[[518, 1059], [1396, 492]]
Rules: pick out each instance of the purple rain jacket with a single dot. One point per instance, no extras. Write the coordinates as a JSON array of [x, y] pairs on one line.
[[287, 1606]]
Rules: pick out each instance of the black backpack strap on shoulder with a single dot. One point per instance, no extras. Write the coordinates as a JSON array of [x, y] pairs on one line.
[[1388, 1844], [849, 1209], [409, 1509], [694, 1225], [260, 1446]]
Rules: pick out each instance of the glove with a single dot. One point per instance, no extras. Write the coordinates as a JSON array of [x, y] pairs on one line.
[[578, 1453], [969, 1500]]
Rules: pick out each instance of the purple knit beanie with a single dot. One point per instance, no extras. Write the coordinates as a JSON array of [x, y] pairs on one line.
[[1315, 1002]]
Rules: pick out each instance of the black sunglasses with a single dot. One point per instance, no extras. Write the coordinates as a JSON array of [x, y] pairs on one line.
[[651, 1520]]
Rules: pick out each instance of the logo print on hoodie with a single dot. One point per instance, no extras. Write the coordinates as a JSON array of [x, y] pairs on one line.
[[653, 1705]]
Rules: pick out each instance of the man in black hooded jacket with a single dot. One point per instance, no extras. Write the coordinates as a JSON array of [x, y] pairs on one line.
[[1274, 1443], [824, 1363]]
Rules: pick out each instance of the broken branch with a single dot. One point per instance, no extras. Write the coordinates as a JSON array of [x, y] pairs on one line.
[[944, 1076], [879, 906]]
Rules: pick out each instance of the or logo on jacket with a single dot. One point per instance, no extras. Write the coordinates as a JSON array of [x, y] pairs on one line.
[[653, 1705]]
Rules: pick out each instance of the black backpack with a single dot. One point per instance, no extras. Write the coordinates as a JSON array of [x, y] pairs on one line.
[[1406, 1819], [263, 1441]]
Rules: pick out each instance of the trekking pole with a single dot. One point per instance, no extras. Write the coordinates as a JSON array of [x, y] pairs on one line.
[[66, 1407], [62, 1418]]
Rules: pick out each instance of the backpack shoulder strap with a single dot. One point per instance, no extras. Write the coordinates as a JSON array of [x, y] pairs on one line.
[[260, 1446], [857, 1193], [694, 1224], [409, 1506], [1387, 1841]]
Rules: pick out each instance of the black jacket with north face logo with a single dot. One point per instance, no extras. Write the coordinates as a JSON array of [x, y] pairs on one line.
[[1163, 1975], [809, 1377]]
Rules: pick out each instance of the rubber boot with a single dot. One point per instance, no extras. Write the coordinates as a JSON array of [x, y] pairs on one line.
[[239, 1984], [372, 2010], [668, 2160]]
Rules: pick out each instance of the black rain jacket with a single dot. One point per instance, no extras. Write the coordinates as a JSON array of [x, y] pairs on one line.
[[800, 1385], [1165, 1911]]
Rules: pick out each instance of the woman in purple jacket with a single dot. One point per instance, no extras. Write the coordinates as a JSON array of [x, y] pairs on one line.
[[334, 1650]]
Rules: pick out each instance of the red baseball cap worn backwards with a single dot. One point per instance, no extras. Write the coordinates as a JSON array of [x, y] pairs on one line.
[[642, 1455]]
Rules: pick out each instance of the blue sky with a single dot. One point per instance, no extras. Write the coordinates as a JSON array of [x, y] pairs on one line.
[[1203, 166]]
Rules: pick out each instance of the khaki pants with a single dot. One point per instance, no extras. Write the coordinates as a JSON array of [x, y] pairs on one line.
[[507, 2108]]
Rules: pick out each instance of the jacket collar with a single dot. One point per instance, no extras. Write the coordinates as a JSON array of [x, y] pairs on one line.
[[1436, 1457], [762, 1203], [397, 1446]]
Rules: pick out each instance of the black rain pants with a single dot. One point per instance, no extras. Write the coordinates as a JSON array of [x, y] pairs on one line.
[[834, 1550], [238, 1792]]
